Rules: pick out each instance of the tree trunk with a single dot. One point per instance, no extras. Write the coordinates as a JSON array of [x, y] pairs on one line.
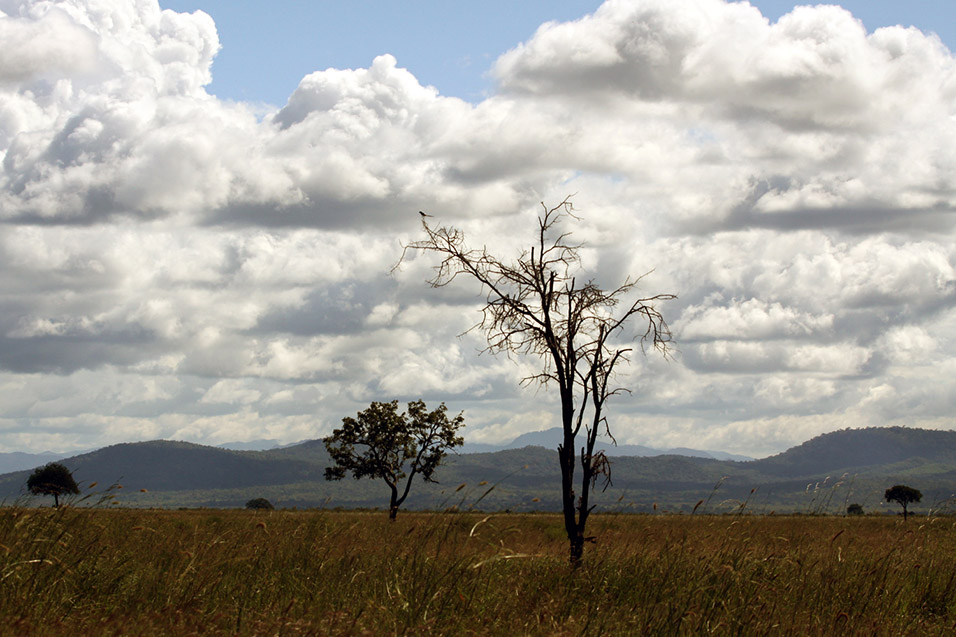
[[566, 461], [577, 548], [393, 503]]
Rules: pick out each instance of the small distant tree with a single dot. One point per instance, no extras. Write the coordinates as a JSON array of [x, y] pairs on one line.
[[380, 443], [854, 509], [52, 479], [259, 504], [903, 495]]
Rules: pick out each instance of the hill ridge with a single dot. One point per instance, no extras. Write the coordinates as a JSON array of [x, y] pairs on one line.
[[179, 473]]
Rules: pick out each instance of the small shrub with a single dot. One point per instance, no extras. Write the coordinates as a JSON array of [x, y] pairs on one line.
[[259, 504], [854, 509]]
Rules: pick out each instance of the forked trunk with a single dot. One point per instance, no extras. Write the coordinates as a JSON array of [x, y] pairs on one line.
[[566, 461], [575, 517]]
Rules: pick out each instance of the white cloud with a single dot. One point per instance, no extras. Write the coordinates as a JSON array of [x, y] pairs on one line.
[[228, 273], [50, 45], [231, 391], [750, 319], [907, 345]]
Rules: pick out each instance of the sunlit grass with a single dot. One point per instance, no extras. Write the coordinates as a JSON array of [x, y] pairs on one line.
[[96, 571]]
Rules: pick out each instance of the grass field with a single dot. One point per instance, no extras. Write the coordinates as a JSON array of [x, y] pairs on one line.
[[100, 571]]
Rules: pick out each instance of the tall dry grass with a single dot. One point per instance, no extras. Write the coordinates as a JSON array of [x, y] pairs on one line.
[[99, 571]]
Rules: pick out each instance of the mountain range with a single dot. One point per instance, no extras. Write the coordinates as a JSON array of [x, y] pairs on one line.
[[821, 475], [551, 438], [18, 460]]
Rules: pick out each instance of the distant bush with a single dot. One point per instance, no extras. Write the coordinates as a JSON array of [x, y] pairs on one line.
[[854, 509], [259, 504], [903, 495], [53, 479]]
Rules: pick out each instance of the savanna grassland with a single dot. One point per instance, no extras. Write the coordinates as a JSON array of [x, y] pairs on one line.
[[142, 572]]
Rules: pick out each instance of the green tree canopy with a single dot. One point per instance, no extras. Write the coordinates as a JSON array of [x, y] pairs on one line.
[[380, 443], [52, 479]]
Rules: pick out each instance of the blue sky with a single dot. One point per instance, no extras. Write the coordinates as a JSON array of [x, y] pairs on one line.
[[268, 47], [201, 211]]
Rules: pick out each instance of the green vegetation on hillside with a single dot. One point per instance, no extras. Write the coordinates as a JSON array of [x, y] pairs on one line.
[[823, 475]]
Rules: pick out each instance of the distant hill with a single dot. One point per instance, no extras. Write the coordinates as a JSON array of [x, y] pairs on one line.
[[821, 475], [163, 465], [862, 451], [18, 460], [551, 438], [251, 445]]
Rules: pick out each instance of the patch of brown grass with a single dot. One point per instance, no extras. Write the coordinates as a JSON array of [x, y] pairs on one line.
[[94, 571]]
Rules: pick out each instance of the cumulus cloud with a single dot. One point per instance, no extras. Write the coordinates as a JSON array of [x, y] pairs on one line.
[[51, 44], [179, 266], [801, 120]]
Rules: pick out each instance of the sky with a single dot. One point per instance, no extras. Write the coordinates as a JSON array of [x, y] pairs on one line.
[[449, 45], [202, 202]]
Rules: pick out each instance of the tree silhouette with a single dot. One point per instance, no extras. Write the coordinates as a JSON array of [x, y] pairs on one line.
[[536, 305], [382, 444], [259, 504], [903, 495], [52, 479]]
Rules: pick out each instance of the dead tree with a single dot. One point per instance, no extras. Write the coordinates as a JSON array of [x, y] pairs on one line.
[[535, 305]]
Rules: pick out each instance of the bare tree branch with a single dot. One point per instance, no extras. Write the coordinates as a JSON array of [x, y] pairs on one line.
[[535, 306]]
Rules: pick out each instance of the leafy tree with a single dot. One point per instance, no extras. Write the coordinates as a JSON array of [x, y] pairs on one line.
[[854, 509], [380, 443], [259, 504], [537, 305], [903, 495], [52, 479]]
